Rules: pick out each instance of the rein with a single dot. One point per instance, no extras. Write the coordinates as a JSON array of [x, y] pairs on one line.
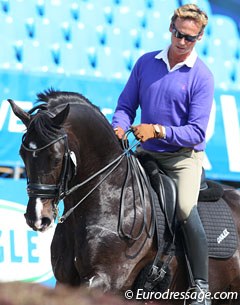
[[134, 170], [115, 162], [60, 191]]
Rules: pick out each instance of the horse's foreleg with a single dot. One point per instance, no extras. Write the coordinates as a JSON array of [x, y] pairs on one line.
[[62, 258]]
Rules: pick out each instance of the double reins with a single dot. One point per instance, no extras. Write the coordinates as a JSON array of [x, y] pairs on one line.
[[115, 163], [60, 191]]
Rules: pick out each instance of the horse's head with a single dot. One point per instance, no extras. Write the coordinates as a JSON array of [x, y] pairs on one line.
[[45, 153]]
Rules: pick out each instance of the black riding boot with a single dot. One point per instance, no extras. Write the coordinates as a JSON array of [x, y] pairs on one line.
[[197, 253]]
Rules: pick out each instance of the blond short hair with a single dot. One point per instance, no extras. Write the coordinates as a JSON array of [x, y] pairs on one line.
[[191, 11]]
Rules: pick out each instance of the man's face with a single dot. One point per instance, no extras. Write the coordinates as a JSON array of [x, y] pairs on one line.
[[185, 34]]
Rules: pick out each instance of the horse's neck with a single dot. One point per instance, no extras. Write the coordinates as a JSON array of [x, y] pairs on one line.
[[94, 153]]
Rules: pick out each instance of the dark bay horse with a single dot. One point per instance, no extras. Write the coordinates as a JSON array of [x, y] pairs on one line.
[[71, 152]]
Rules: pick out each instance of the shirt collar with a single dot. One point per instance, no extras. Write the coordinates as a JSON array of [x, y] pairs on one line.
[[189, 61]]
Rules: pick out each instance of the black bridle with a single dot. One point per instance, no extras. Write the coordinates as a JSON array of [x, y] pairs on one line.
[[60, 191], [51, 191]]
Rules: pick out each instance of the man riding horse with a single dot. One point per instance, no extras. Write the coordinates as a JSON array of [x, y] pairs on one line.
[[174, 89]]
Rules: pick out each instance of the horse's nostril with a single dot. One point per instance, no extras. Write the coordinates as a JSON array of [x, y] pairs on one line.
[[29, 222], [46, 222]]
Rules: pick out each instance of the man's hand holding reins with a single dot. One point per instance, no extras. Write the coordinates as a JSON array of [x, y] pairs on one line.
[[119, 132], [144, 132]]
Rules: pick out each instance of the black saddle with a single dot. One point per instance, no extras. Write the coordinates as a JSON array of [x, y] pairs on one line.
[[163, 186], [213, 210]]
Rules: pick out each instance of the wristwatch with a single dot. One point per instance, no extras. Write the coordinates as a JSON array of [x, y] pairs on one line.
[[160, 131], [157, 130]]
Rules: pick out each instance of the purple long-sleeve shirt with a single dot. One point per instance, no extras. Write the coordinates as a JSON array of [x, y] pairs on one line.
[[181, 100]]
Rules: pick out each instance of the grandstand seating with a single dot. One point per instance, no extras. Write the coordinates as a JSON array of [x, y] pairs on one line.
[[77, 62], [224, 37], [165, 8], [236, 75], [92, 13], [105, 38], [203, 4], [126, 17], [38, 57]]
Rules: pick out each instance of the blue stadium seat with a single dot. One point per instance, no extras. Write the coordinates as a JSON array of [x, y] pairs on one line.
[[83, 36], [5, 6], [104, 62], [224, 36], [149, 3], [224, 26], [40, 57], [10, 54], [22, 9], [40, 8], [133, 5], [57, 12], [30, 26], [135, 37], [202, 46], [125, 17], [12, 29], [237, 55], [236, 76], [223, 71], [163, 9], [77, 9], [168, 6], [48, 32], [85, 8], [74, 11], [217, 48], [151, 41], [10, 40], [94, 13], [158, 22], [202, 4], [112, 63], [21, 13], [66, 30], [75, 60], [119, 38]]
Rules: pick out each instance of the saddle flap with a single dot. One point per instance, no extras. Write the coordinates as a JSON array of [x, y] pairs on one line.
[[164, 187]]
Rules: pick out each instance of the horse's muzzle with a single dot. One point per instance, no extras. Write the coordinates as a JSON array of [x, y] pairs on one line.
[[38, 225]]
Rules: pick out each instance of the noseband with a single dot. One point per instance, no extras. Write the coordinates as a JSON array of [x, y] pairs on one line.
[[51, 191], [60, 191]]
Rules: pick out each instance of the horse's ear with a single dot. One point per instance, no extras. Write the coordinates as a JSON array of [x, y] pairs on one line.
[[60, 118], [20, 113]]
